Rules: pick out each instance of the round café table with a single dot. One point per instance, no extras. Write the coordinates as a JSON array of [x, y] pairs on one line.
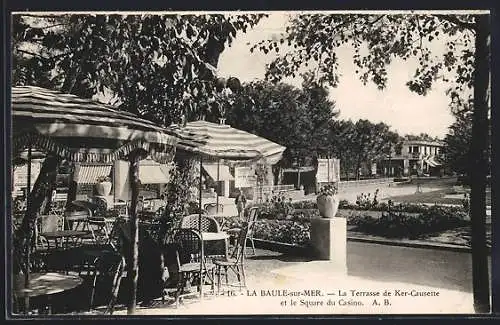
[[217, 236], [44, 284], [63, 235], [76, 220]]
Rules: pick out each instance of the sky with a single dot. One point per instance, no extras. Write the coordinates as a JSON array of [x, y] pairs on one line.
[[404, 111]]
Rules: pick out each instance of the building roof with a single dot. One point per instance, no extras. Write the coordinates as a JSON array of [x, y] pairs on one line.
[[423, 143]]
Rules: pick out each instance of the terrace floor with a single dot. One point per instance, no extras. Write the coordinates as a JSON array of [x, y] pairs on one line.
[[445, 276]]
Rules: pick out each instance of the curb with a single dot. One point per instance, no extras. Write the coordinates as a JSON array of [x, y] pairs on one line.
[[280, 247], [296, 249], [447, 247]]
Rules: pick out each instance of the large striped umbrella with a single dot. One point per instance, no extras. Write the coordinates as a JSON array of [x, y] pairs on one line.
[[83, 130], [223, 142]]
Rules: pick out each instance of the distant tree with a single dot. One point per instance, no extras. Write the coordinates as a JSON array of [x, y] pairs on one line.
[[457, 141], [361, 143], [295, 118], [420, 137], [341, 136]]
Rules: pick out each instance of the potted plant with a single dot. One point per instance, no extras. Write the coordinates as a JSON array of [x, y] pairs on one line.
[[103, 185], [328, 201]]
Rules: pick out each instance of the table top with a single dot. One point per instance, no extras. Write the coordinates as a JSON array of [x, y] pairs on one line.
[[45, 284], [64, 233], [102, 219], [220, 215], [76, 215], [208, 236]]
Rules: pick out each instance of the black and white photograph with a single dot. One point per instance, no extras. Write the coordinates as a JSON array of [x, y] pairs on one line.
[[204, 163]]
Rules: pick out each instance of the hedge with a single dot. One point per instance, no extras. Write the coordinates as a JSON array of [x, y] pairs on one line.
[[295, 228]]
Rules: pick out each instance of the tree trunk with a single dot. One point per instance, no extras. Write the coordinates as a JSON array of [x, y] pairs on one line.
[[41, 189], [134, 225], [358, 166], [478, 163], [72, 186]]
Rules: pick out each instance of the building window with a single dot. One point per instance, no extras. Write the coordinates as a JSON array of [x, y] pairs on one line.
[[415, 149]]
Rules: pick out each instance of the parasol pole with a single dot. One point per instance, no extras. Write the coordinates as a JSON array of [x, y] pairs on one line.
[[28, 240], [199, 215], [328, 168], [217, 188], [134, 229]]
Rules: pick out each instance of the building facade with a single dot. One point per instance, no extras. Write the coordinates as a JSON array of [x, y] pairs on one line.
[[417, 157]]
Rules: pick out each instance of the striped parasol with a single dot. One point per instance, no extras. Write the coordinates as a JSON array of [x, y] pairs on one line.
[[82, 129], [224, 142]]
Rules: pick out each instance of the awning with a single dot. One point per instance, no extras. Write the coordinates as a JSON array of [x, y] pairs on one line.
[[225, 142], [224, 174], [83, 130], [154, 174], [303, 169], [432, 162], [88, 174]]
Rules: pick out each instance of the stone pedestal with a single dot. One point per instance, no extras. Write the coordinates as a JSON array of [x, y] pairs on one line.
[[329, 241]]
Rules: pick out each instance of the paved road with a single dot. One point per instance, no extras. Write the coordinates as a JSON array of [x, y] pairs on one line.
[[428, 267], [439, 268]]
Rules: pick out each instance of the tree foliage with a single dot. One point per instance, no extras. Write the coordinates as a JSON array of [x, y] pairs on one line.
[[295, 118], [356, 144], [420, 137], [457, 141], [161, 67], [377, 40]]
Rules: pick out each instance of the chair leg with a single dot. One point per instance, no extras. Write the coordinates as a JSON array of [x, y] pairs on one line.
[[115, 289], [243, 275], [180, 286], [92, 292], [238, 275], [218, 279], [213, 280], [202, 279]]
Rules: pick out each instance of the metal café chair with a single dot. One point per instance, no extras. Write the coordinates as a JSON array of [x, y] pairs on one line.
[[236, 262], [108, 269], [48, 223], [211, 208], [192, 265], [208, 224], [252, 215], [97, 223]]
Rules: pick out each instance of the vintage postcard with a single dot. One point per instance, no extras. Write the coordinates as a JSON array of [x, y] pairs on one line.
[[250, 163]]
